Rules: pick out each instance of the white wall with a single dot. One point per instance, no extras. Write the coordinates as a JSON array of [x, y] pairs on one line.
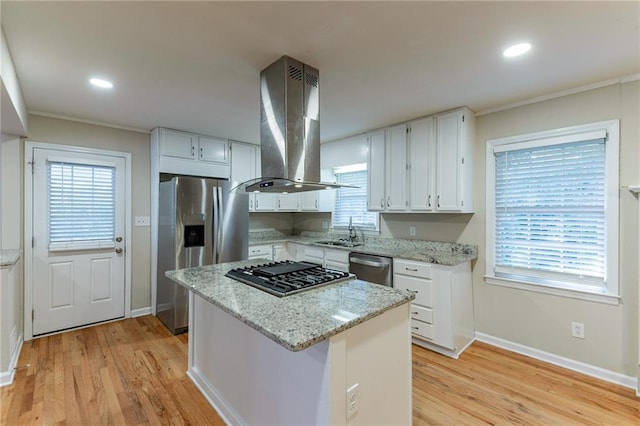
[[64, 132]]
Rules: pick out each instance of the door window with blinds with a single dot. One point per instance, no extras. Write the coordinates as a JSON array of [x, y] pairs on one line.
[[552, 209], [81, 200], [351, 203]]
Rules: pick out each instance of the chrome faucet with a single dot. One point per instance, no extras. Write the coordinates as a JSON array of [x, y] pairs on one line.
[[353, 236]]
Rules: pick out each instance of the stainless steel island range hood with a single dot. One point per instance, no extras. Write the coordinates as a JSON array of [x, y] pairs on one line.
[[289, 129]]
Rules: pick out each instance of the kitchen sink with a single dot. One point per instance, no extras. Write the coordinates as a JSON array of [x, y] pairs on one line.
[[340, 243]]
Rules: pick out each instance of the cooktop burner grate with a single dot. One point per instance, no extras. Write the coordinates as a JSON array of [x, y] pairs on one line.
[[287, 277]]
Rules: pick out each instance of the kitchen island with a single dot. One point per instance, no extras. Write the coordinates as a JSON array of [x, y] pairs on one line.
[[261, 359]]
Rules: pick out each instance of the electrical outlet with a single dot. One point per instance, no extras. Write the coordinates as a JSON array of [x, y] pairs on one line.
[[352, 401], [143, 220], [412, 231], [577, 329]]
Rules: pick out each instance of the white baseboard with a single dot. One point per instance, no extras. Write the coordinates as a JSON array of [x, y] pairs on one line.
[[140, 312], [6, 377], [224, 410], [570, 364]]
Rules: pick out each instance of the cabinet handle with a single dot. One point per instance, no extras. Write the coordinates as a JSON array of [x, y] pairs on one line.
[[438, 201], [193, 151], [429, 201], [416, 328], [388, 201], [414, 313], [279, 203], [382, 202], [316, 204], [414, 291], [250, 204], [201, 153], [256, 203], [411, 269]]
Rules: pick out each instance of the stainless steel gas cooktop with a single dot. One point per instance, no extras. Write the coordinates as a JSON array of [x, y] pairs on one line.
[[287, 277]]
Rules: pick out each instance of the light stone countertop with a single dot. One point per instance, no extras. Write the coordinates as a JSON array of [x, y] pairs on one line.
[[9, 257], [296, 321], [449, 254]]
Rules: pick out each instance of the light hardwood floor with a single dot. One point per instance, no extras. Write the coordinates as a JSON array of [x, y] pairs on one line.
[[133, 372]]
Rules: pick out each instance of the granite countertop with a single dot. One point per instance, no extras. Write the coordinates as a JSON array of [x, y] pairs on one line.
[[9, 257], [449, 254], [296, 321]]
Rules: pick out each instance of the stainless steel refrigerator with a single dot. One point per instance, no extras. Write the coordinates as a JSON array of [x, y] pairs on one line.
[[200, 222]]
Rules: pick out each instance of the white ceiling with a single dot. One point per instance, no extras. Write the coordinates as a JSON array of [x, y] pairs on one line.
[[195, 65]]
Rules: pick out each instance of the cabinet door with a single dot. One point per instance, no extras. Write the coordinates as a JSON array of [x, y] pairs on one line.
[[396, 175], [421, 159], [310, 201], [287, 202], [375, 171], [264, 202], [279, 252], [243, 161], [448, 142], [178, 144], [213, 150]]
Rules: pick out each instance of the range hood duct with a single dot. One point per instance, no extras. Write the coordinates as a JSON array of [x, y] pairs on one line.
[[289, 129]]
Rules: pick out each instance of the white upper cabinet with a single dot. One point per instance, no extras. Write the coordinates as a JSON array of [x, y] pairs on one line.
[[387, 169], [454, 164], [376, 198], [421, 167], [396, 176], [178, 144], [317, 201], [213, 150], [244, 160], [424, 166], [187, 153]]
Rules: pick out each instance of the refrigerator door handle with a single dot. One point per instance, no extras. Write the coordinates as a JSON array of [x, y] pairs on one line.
[[217, 225]]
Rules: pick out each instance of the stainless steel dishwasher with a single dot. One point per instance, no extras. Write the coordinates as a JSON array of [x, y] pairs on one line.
[[375, 269]]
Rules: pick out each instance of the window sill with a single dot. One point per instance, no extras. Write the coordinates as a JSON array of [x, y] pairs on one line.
[[605, 298]]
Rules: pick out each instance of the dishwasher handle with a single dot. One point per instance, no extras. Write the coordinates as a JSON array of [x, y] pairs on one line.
[[368, 263]]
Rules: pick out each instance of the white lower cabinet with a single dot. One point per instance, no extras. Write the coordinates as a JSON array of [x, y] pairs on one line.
[[328, 258], [336, 259], [442, 312], [279, 252]]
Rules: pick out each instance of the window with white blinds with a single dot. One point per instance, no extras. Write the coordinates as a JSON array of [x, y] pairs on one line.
[[81, 206], [352, 202], [550, 214]]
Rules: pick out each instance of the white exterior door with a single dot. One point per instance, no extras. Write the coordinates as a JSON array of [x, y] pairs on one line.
[[78, 221]]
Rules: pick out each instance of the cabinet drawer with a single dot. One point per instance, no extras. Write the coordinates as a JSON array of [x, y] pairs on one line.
[[260, 251], [422, 288], [340, 256], [422, 314], [422, 329], [414, 269]]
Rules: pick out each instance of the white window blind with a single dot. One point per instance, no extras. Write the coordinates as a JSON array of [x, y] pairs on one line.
[[352, 202], [81, 206], [550, 212]]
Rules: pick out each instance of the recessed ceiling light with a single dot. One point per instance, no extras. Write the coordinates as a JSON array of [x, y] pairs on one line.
[[516, 50], [101, 83]]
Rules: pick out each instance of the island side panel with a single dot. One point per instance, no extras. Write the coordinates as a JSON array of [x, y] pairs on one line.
[[248, 378], [378, 359]]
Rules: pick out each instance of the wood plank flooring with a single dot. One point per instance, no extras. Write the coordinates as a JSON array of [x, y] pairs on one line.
[[132, 372]]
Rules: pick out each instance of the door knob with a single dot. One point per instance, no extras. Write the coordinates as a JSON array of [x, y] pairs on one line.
[[118, 250], [118, 239]]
